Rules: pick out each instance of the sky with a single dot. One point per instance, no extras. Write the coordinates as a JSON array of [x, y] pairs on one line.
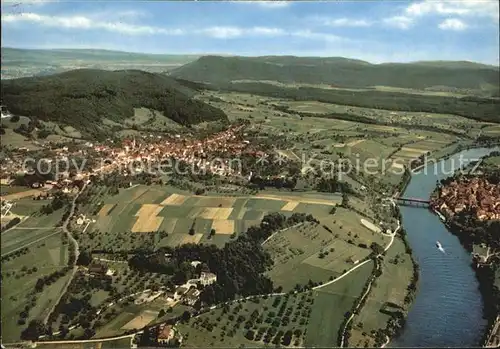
[[375, 31]]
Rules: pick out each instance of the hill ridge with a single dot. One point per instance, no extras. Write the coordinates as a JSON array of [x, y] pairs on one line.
[[339, 72], [83, 98]]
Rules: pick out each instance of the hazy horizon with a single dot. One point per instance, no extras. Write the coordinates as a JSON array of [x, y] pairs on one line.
[[376, 32], [201, 54]]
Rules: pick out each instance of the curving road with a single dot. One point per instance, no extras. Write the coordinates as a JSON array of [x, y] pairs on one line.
[[77, 252], [65, 225], [342, 340]]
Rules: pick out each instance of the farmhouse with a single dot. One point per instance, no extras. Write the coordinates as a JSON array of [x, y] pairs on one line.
[[165, 334], [97, 269], [147, 297], [207, 278], [179, 292], [191, 296]]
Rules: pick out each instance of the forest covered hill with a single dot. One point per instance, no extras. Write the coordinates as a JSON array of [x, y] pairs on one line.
[[84, 98], [341, 72]]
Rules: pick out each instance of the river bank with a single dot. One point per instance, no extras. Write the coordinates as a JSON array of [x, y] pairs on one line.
[[448, 307], [484, 275], [472, 232]]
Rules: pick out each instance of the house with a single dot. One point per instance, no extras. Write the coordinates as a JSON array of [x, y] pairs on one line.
[[191, 297], [165, 334], [169, 296], [207, 278], [179, 292], [195, 263], [98, 269]]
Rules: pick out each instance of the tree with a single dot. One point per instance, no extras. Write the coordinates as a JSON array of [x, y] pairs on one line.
[[376, 248], [186, 316], [161, 313], [85, 258], [250, 335], [345, 200], [287, 338], [34, 330]]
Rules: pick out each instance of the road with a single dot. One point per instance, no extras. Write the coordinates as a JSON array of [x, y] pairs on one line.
[[77, 252], [214, 306], [342, 340], [493, 333], [362, 263]]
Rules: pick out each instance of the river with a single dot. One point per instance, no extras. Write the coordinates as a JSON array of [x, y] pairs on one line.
[[447, 310]]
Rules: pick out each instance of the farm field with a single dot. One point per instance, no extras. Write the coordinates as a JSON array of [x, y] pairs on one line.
[[396, 271], [6, 189], [379, 88], [331, 304], [444, 121], [494, 160], [33, 228], [241, 105], [109, 344], [493, 130], [424, 147], [132, 316], [16, 193], [254, 323], [311, 253], [20, 273], [134, 215]]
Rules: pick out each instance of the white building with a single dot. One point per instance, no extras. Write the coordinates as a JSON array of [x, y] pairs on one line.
[[207, 278]]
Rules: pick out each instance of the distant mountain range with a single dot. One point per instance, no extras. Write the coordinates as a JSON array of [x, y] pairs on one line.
[[86, 98], [17, 63], [341, 72]]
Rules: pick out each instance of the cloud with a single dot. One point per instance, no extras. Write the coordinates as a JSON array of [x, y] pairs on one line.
[[401, 22], [83, 22], [463, 8], [266, 4], [307, 34], [443, 8], [215, 32], [343, 22], [221, 32], [24, 2], [452, 24]]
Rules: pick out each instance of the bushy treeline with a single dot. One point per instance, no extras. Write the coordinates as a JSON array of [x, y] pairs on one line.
[[483, 109], [83, 98], [240, 265], [372, 121]]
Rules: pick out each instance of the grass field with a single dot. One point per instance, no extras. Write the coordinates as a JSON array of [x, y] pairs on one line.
[[19, 276], [140, 210], [109, 344], [331, 303], [134, 316], [494, 160], [311, 252], [34, 228], [20, 194], [493, 130], [267, 319], [396, 271]]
